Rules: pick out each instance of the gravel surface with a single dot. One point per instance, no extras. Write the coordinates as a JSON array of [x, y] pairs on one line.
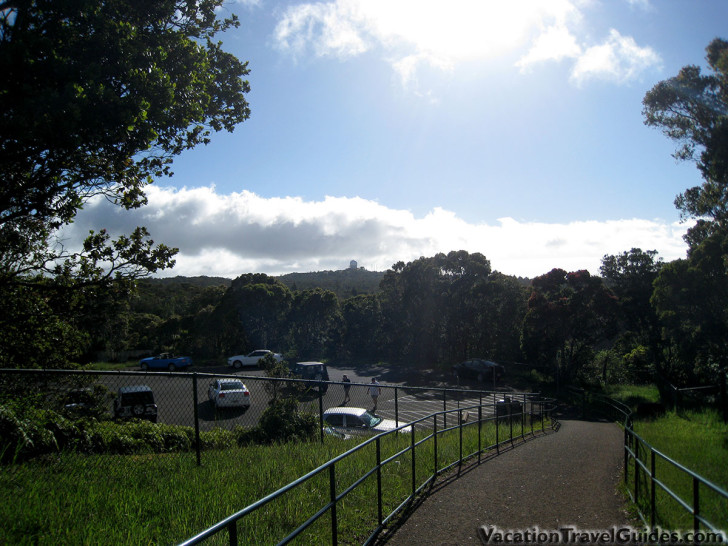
[[560, 479]]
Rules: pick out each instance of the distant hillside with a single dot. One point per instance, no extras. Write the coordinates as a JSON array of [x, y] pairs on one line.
[[345, 283], [201, 282]]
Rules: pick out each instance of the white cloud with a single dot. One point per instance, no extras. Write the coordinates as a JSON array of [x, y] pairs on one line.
[[618, 59], [409, 34], [228, 235], [554, 44]]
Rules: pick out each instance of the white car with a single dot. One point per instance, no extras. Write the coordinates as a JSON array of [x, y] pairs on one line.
[[358, 421], [251, 359], [229, 393]]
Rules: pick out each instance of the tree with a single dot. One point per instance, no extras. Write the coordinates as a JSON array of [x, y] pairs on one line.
[[568, 315], [98, 97], [316, 323], [692, 109], [690, 295]]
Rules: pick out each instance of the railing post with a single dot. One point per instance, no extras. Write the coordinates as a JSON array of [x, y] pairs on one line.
[[444, 408], [510, 419], [480, 428], [414, 474], [434, 437], [321, 410], [523, 417], [396, 406], [197, 419], [626, 456], [497, 426], [379, 482], [652, 488], [636, 472], [232, 529], [696, 504], [542, 405], [460, 434], [332, 497]]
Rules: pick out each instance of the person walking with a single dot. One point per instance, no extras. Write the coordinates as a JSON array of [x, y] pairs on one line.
[[374, 391], [347, 385]]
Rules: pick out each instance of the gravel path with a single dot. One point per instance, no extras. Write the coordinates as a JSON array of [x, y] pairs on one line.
[[564, 478]]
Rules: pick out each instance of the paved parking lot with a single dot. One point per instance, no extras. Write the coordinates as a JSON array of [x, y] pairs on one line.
[[174, 396]]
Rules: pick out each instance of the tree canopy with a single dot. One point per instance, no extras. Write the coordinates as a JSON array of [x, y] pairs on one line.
[[692, 109], [98, 97]]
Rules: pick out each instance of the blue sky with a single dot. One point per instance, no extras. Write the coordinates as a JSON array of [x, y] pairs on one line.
[[385, 130]]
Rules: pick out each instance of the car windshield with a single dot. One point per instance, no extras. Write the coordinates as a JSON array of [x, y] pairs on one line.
[[370, 420], [134, 398], [232, 386]]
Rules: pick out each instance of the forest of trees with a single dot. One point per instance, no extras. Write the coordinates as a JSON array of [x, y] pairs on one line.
[[434, 311], [100, 97]]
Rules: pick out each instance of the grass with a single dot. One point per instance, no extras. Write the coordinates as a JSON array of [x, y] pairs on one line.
[[695, 439], [112, 366], [153, 499], [633, 395]]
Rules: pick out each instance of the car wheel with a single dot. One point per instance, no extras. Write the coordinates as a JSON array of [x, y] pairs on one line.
[[171, 367], [145, 366], [138, 410], [237, 364]]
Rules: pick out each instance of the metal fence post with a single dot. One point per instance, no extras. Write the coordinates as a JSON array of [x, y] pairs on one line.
[[652, 488], [460, 434], [321, 410], [332, 493], [414, 473], [497, 427], [197, 418], [696, 504], [444, 408], [434, 436], [480, 428], [396, 406], [232, 529], [379, 482]]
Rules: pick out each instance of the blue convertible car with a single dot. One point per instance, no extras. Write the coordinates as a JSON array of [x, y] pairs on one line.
[[165, 361]]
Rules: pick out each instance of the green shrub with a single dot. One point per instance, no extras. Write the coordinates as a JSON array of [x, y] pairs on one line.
[[281, 422]]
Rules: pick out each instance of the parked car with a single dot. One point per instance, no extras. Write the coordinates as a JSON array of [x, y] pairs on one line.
[[87, 402], [508, 407], [165, 361], [229, 393], [478, 369], [251, 359], [317, 371], [358, 421], [135, 401]]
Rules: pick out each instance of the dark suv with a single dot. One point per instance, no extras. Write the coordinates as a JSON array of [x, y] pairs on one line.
[[312, 370], [135, 401]]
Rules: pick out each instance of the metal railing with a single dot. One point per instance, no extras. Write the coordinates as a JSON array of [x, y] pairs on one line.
[[647, 489], [435, 426]]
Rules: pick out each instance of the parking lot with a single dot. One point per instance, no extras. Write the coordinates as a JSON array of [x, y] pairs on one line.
[[174, 395]]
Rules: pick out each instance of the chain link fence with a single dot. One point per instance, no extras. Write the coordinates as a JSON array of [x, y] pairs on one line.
[[200, 407]]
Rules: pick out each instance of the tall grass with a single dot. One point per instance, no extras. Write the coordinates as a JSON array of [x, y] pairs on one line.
[[153, 499], [697, 440]]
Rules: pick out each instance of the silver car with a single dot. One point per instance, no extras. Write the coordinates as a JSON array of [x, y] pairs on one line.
[[358, 421], [229, 393]]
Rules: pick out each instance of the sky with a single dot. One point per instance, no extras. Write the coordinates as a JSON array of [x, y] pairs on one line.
[[386, 130]]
